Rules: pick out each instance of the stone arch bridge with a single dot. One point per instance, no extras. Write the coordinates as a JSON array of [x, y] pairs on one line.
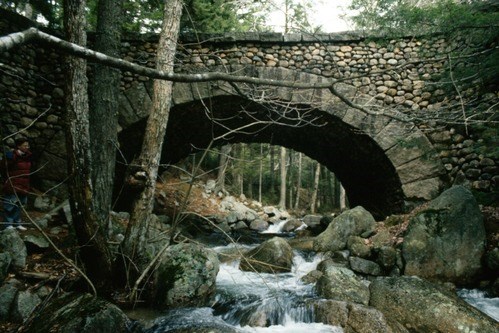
[[383, 159]]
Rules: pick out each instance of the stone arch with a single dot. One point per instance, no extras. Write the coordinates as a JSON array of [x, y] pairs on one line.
[[383, 163]]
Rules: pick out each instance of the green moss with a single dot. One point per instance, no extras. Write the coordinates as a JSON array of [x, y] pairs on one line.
[[394, 220]]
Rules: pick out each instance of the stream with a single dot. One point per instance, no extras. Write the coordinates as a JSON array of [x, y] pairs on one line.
[[277, 302]]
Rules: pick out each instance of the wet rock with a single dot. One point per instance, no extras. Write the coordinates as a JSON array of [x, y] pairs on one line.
[[363, 319], [237, 226], [313, 223], [35, 242], [79, 314], [24, 303], [185, 276], [43, 203], [364, 266], [331, 312], [358, 247], [446, 241], [423, 307], [11, 242], [8, 294], [256, 319], [272, 256], [190, 320], [311, 277], [340, 283], [302, 243], [259, 225], [492, 260], [354, 318], [386, 257], [353, 222], [292, 225], [5, 260], [382, 238]]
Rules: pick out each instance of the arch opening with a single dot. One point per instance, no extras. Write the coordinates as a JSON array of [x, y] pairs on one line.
[[366, 173]]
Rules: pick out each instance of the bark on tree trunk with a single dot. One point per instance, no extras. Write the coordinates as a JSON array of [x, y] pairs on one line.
[[260, 175], [298, 181], [94, 252], [104, 101], [145, 169], [316, 188], [290, 180], [282, 197]]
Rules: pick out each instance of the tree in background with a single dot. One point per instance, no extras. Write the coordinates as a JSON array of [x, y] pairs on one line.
[[282, 172], [48, 10], [315, 190]]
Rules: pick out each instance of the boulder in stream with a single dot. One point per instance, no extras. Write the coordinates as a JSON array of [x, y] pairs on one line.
[[185, 276], [446, 241], [272, 256], [424, 307], [353, 222], [340, 283], [354, 318]]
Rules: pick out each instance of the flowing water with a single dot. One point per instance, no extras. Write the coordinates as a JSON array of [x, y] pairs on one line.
[[480, 300], [260, 302], [274, 300]]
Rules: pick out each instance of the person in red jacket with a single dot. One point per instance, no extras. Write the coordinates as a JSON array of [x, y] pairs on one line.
[[16, 185]]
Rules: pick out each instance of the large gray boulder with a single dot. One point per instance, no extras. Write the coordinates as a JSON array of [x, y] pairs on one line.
[[79, 314], [340, 283], [353, 222], [446, 241], [185, 276], [11, 242], [272, 256], [353, 318], [424, 307]]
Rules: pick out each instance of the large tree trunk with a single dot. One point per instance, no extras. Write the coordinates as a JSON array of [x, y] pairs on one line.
[[260, 174], [103, 115], [144, 171], [298, 181], [316, 188], [91, 237], [282, 197]]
